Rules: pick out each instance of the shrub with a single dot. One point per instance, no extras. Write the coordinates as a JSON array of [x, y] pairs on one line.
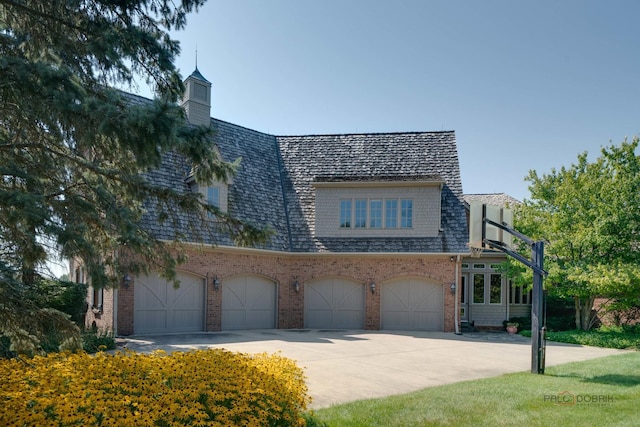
[[206, 387], [94, 341]]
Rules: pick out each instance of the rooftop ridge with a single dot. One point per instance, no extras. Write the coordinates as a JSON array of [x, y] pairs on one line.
[[369, 133]]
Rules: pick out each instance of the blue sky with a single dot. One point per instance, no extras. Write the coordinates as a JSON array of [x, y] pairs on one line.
[[525, 85]]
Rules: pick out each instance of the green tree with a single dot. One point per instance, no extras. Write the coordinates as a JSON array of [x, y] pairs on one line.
[[74, 151], [589, 215]]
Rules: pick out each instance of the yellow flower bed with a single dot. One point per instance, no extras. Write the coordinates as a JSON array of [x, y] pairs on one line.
[[205, 387]]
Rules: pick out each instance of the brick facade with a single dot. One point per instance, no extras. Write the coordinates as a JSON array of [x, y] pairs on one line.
[[285, 270]]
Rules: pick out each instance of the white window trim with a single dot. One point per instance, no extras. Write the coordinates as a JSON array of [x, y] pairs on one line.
[[367, 213]]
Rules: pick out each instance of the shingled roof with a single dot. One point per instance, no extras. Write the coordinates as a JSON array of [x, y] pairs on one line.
[[273, 185], [371, 157]]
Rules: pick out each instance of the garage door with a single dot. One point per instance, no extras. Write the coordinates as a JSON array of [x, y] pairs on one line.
[[412, 304], [248, 302], [159, 307], [334, 304]]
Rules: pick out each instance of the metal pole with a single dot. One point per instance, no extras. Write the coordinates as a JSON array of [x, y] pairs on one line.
[[537, 321]]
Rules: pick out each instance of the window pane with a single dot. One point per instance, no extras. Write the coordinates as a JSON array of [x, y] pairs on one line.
[[406, 214], [345, 213], [478, 288], [213, 196], [375, 213], [391, 213], [361, 213], [518, 295], [496, 289]]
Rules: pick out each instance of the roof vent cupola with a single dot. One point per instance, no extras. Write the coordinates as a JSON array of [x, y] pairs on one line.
[[197, 99]]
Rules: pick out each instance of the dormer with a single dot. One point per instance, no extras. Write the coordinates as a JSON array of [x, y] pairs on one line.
[[216, 193], [196, 100], [378, 206]]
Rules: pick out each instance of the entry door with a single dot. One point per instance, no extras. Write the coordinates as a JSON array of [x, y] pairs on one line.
[[464, 298]]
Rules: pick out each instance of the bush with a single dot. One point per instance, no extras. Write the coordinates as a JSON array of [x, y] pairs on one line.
[[560, 313], [67, 297], [94, 341], [206, 387]]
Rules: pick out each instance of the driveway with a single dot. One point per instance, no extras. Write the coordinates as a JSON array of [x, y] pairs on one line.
[[344, 366]]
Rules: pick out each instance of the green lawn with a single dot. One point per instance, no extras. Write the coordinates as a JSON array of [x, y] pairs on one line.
[[609, 337], [599, 392]]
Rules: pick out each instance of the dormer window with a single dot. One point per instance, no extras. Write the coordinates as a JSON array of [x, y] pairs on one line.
[[215, 194], [213, 198], [348, 208]]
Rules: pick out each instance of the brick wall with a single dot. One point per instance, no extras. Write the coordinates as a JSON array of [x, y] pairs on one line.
[[285, 269]]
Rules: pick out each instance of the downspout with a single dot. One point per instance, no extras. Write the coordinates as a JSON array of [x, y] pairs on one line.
[[115, 312], [456, 308]]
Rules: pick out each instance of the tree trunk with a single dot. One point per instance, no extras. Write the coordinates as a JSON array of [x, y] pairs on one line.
[[585, 317]]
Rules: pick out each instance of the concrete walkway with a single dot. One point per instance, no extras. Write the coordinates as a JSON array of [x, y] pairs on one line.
[[344, 366]]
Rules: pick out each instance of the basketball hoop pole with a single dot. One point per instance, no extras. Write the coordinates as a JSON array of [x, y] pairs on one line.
[[537, 265]]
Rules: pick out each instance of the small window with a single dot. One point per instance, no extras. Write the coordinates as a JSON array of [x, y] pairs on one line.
[[361, 213], [494, 266], [495, 289], [213, 198], [479, 266], [375, 213], [391, 213], [96, 299], [478, 288], [406, 213], [345, 213], [465, 266]]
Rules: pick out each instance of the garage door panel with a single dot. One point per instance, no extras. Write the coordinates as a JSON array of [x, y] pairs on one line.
[[334, 304], [412, 304], [248, 302], [160, 307]]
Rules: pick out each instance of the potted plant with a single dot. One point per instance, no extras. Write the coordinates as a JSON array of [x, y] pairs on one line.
[[512, 327]]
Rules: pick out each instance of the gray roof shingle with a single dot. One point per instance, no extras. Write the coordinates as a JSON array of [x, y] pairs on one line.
[[273, 186], [382, 156]]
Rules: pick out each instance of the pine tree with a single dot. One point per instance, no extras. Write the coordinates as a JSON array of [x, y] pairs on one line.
[[74, 150]]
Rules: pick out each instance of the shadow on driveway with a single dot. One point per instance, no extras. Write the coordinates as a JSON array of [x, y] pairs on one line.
[[347, 365]]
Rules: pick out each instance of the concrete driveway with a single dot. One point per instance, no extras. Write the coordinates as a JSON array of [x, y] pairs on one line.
[[344, 366]]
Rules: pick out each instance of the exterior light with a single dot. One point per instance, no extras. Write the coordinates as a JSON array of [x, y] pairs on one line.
[[373, 287], [296, 286], [216, 283], [126, 281], [453, 288]]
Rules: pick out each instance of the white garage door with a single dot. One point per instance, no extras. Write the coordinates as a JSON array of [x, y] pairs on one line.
[[248, 302], [161, 308], [412, 304], [334, 304]]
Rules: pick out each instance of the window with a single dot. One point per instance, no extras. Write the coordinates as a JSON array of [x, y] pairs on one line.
[[495, 289], [213, 198], [519, 295], [96, 299], [391, 213], [375, 213], [361, 213], [478, 288], [406, 214], [345, 213]]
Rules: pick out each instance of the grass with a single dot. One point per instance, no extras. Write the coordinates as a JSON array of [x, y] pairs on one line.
[[609, 337], [512, 400]]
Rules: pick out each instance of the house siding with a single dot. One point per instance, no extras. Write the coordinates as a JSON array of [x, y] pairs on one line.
[[426, 211]]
